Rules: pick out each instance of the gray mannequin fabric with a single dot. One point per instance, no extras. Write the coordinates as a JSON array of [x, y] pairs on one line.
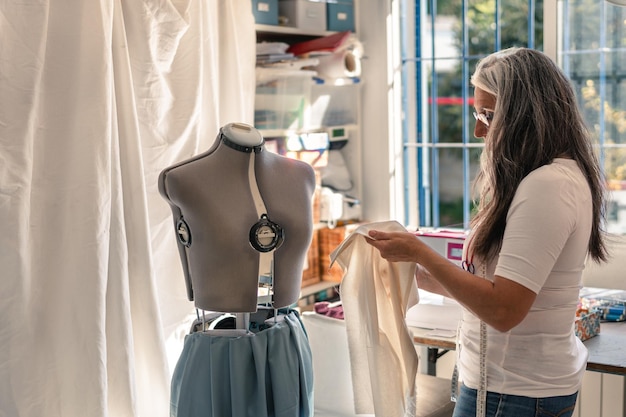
[[212, 193]]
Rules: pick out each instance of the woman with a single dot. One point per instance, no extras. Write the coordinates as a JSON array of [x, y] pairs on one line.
[[540, 214]]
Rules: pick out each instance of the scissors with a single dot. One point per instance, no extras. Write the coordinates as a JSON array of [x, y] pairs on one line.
[[468, 266]]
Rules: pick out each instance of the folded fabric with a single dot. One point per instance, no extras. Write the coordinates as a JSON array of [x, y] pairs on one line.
[[375, 295], [333, 310]]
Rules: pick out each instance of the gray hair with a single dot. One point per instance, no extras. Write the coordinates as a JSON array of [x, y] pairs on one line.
[[536, 119]]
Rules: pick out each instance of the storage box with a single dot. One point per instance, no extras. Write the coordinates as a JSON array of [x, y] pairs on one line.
[[265, 11], [448, 243], [311, 271], [304, 14], [587, 325], [283, 103], [340, 15], [333, 105]]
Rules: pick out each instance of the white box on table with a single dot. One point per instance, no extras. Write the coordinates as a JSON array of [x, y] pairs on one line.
[[448, 243]]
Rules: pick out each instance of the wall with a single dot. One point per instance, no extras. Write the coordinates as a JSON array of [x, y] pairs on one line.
[[374, 28]]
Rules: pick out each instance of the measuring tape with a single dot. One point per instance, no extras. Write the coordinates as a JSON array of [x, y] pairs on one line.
[[481, 399], [482, 387], [481, 396]]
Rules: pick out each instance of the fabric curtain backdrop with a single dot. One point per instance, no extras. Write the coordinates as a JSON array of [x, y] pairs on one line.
[[96, 98]]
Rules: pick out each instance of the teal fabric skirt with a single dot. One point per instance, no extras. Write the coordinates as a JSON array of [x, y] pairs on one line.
[[263, 373]]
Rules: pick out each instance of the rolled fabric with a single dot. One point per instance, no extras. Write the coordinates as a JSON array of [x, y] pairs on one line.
[[341, 64]]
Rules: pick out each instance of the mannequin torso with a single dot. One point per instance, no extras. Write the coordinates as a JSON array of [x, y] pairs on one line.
[[213, 194]]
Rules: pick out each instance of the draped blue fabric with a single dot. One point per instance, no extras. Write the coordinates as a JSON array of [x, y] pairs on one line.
[[264, 373]]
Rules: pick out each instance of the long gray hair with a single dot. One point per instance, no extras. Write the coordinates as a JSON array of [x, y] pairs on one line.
[[536, 119]]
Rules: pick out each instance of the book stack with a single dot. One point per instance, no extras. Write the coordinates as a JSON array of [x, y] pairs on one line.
[[263, 59]]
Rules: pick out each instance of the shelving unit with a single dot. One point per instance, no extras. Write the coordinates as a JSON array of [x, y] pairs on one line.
[[324, 107], [317, 288], [273, 32]]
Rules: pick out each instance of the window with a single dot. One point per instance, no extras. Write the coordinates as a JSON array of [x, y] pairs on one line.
[[441, 42], [593, 55]]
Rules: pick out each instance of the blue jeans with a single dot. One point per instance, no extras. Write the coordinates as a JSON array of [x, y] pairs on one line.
[[503, 405]]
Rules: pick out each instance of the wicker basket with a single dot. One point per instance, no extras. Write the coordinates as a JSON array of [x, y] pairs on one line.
[[316, 205], [329, 240], [311, 272]]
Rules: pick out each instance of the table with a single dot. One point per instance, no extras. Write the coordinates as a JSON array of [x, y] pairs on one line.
[[607, 350], [436, 345]]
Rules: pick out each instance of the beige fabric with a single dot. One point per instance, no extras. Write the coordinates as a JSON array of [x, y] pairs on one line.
[[333, 382], [376, 295]]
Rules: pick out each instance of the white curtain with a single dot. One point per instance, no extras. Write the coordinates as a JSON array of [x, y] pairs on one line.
[[96, 98]]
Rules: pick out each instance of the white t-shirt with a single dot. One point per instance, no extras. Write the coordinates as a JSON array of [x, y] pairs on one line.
[[544, 249]]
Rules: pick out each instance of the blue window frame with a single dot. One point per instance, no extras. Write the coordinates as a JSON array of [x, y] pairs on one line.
[[441, 42], [593, 54]]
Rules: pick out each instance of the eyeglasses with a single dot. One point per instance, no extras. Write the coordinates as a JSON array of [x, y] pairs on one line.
[[485, 117]]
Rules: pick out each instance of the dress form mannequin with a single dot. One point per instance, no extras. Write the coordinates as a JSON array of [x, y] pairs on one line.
[[215, 211]]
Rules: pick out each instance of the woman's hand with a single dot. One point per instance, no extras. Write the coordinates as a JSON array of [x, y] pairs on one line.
[[406, 247], [396, 246], [501, 303]]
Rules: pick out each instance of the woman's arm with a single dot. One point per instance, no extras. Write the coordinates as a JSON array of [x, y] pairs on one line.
[[425, 281], [502, 304]]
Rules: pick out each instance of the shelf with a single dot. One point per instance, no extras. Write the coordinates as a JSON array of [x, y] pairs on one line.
[[287, 107], [280, 133], [317, 287], [289, 30]]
